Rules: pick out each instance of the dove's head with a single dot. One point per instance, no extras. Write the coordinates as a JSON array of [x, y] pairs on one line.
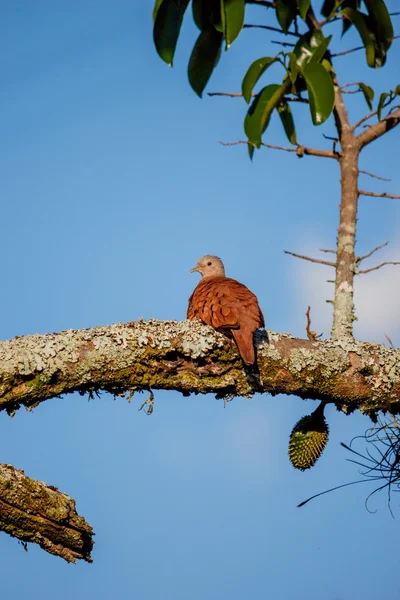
[[209, 266]]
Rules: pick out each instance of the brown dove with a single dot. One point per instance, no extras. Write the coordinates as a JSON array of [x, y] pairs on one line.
[[227, 305]]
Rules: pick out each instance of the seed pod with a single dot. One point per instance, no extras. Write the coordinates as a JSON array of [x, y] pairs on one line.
[[308, 439]]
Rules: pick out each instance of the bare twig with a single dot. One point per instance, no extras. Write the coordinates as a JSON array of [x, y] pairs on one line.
[[378, 267], [228, 94], [374, 176], [355, 49], [240, 95], [379, 195], [300, 150], [324, 250], [286, 44], [360, 258], [261, 3], [390, 342], [312, 335], [314, 260], [346, 85], [372, 114], [347, 51], [276, 29]]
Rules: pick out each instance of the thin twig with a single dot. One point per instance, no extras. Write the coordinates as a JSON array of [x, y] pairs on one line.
[[286, 44], [230, 95], [390, 342], [378, 267], [276, 29], [324, 250], [374, 176], [347, 51], [312, 335], [355, 49], [346, 85], [360, 258], [261, 3], [240, 95], [372, 114], [379, 195], [300, 150], [314, 260]]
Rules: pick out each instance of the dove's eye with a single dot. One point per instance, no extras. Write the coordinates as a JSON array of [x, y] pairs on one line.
[[209, 263]]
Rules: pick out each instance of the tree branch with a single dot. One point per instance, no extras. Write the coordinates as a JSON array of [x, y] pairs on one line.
[[240, 95], [361, 258], [314, 260], [379, 194], [191, 358], [34, 512], [380, 128], [377, 267], [300, 150], [276, 29], [374, 176], [261, 3]]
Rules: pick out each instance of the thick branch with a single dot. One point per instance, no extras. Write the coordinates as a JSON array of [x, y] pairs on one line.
[[380, 128], [34, 512], [191, 358]]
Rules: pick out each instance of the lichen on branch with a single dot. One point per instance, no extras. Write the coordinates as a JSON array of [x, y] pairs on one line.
[[190, 358]]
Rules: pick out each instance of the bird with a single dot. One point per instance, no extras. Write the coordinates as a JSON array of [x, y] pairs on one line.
[[227, 305]]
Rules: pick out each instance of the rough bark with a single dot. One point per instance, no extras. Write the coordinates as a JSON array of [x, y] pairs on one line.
[[34, 512], [343, 311], [192, 358]]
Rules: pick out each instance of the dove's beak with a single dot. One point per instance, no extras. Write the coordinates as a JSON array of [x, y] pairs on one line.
[[196, 268]]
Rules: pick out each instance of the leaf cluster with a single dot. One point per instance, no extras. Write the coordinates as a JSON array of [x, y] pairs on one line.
[[307, 69]]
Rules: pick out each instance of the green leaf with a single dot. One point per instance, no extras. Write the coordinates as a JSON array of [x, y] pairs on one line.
[[321, 46], [285, 113], [285, 13], [206, 13], [397, 90], [321, 94], [360, 21], [204, 58], [254, 72], [293, 70], [303, 5], [232, 13], [328, 8], [157, 5], [260, 111], [380, 104], [327, 65], [167, 26], [368, 94], [381, 25], [302, 50]]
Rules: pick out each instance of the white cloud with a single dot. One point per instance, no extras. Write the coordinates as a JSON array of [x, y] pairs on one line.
[[376, 296]]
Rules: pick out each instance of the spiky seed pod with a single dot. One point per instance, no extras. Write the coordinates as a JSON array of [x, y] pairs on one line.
[[308, 439]]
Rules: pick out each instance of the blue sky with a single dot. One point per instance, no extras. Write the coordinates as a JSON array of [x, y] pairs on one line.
[[113, 185]]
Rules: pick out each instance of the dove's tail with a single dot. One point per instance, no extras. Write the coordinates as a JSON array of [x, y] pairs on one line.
[[245, 344]]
